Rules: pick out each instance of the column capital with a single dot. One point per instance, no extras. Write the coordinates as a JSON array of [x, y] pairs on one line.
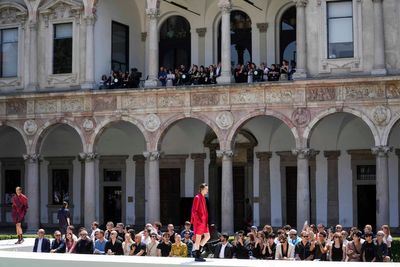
[[300, 3], [334, 154], [263, 155], [152, 155], [381, 151], [31, 158], [304, 153], [88, 157], [139, 158], [262, 27], [198, 156], [153, 13], [225, 154], [201, 31], [90, 20], [225, 6]]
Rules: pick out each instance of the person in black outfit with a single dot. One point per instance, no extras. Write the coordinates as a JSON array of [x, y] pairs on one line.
[[241, 250], [368, 248], [382, 251], [58, 244], [164, 247], [337, 251], [85, 244], [321, 248], [224, 245], [269, 249], [138, 248], [302, 250], [114, 246]]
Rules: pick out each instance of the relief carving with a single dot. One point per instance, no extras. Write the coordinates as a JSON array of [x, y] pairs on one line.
[[46, 106], [12, 15], [62, 79], [246, 97], [16, 107], [72, 105], [393, 90], [30, 127], [362, 91], [224, 120], [138, 102], [381, 115], [88, 125], [9, 82], [177, 100], [206, 99], [152, 123], [57, 10], [321, 94], [278, 96], [103, 103], [301, 117]]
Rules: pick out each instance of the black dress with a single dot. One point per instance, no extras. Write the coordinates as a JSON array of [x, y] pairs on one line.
[[337, 253], [116, 248]]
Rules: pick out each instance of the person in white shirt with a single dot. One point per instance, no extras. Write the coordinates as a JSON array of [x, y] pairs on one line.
[[224, 249]]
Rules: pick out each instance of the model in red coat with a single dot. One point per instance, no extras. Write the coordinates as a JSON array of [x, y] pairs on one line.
[[199, 221], [19, 208]]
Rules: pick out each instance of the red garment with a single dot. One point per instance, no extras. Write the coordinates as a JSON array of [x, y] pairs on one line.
[[19, 207], [199, 218]]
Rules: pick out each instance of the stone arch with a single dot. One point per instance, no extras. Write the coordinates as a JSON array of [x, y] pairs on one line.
[[21, 133], [23, 10], [48, 126], [359, 114], [103, 125], [278, 17], [389, 128], [242, 121], [165, 16], [175, 119]]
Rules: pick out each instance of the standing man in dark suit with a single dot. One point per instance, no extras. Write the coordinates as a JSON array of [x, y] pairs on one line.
[[42, 244], [224, 249]]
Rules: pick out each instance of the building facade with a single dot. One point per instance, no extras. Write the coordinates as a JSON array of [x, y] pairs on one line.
[[322, 148]]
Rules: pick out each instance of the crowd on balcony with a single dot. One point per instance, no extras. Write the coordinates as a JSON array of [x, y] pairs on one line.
[[195, 75], [311, 243]]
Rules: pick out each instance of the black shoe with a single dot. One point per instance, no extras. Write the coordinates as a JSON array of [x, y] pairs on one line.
[[21, 241], [18, 242], [199, 259]]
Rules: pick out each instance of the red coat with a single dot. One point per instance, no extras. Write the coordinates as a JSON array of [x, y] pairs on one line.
[[19, 207], [199, 218]]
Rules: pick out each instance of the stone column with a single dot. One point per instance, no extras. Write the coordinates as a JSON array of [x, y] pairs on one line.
[[263, 27], [33, 52], [226, 191], [265, 187], [382, 184], [379, 39], [303, 185], [90, 79], [32, 192], [153, 186], [301, 40], [333, 187], [198, 169], [140, 190], [89, 188], [153, 14], [202, 45], [226, 72]]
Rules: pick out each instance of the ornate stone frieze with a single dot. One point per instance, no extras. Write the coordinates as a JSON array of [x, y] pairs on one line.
[[46, 106], [152, 123], [31, 158], [321, 94], [16, 107], [248, 97], [10, 82], [381, 115], [359, 92], [104, 103], [168, 101], [209, 99], [88, 157], [62, 79], [301, 117], [11, 13], [225, 154], [224, 120], [279, 96], [72, 105], [30, 127], [88, 124], [60, 9], [152, 156], [138, 102], [393, 90]]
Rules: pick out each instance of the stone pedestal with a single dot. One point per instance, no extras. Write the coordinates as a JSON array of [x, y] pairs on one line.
[[152, 81], [382, 185], [379, 40], [301, 39], [90, 189], [226, 68], [264, 187], [153, 186], [226, 191], [32, 192]]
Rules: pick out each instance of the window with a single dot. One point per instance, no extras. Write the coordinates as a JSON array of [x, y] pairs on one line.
[[60, 186], [112, 176], [366, 172], [120, 47], [12, 180], [62, 54], [340, 29], [9, 53]]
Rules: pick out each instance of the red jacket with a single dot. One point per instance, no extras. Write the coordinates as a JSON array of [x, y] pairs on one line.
[[199, 212], [19, 207]]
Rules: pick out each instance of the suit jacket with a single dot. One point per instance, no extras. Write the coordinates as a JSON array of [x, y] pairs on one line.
[[228, 253], [45, 245], [58, 246], [290, 252]]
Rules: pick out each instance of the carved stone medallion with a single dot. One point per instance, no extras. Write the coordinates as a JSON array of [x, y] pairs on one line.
[[88, 125], [224, 120], [381, 115], [301, 117], [30, 127], [152, 123]]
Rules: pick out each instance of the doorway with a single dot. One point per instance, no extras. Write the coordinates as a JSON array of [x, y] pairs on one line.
[[112, 204], [291, 196], [170, 196], [366, 205]]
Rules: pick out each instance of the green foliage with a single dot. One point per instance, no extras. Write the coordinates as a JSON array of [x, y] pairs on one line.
[[6, 237], [396, 249]]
